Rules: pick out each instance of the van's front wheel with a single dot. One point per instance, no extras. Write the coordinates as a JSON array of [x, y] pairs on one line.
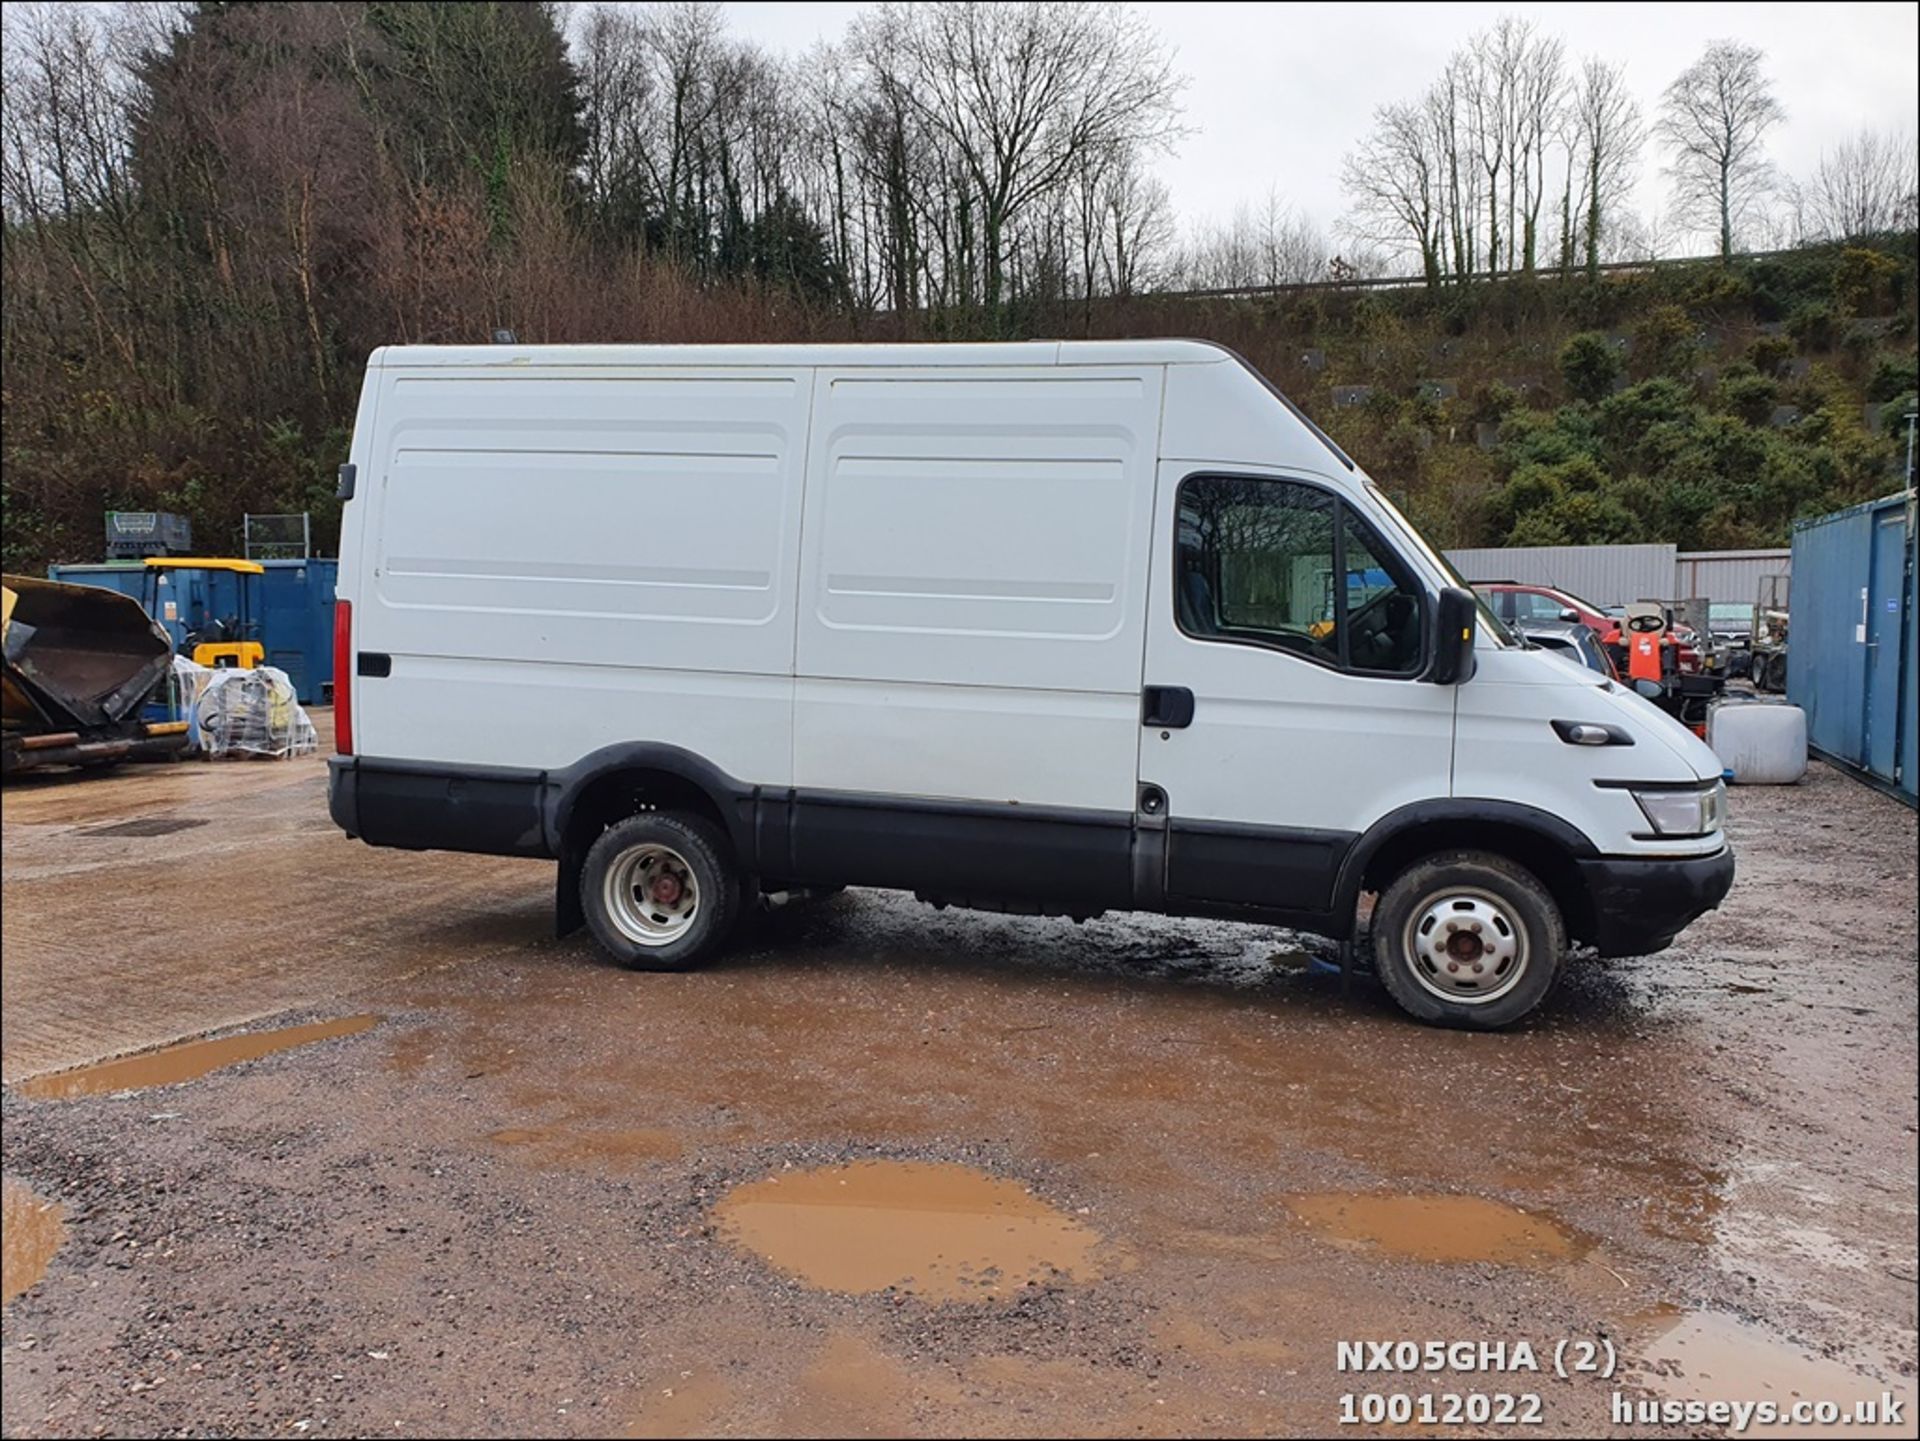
[[659, 891], [1468, 939]]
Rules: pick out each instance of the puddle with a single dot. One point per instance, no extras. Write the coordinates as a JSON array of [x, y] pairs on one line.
[[1436, 1228], [852, 1388], [685, 1404], [145, 826], [185, 1061], [33, 1231], [565, 1145], [1711, 1356], [940, 1231]]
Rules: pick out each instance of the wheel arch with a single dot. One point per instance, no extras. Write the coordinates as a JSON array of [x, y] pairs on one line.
[[1544, 844], [619, 780]]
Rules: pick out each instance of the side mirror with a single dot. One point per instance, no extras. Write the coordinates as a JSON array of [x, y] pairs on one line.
[[1649, 689], [1570, 616], [1454, 619]]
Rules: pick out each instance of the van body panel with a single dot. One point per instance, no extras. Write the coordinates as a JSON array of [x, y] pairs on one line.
[[539, 537], [973, 582], [740, 720], [1007, 745], [1506, 749]]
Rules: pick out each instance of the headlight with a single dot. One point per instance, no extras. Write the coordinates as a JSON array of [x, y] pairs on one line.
[[1684, 813]]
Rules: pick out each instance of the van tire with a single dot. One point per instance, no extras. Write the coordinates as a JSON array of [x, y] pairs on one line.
[[660, 891], [1489, 902]]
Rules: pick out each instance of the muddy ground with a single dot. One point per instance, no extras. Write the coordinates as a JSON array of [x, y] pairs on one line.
[[502, 1208]]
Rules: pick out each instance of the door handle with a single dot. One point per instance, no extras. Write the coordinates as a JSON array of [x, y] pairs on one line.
[[1170, 706]]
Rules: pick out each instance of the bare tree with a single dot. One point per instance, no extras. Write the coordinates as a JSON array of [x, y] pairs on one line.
[[1020, 92], [1864, 186], [1136, 214], [1606, 137], [1399, 181], [1485, 71], [1449, 117], [1538, 84], [1715, 117]]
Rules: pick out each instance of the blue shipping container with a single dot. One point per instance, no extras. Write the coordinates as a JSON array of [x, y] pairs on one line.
[[296, 623], [292, 604], [1851, 641]]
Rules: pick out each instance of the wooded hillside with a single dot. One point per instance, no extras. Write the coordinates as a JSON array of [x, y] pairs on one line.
[[212, 215]]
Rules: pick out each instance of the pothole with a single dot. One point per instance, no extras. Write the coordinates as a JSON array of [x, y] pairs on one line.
[[1437, 1228], [185, 1061], [936, 1230], [33, 1230]]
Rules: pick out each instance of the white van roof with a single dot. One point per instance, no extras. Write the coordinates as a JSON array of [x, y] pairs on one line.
[[1029, 352]]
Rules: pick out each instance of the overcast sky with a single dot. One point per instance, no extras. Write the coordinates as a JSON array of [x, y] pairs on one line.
[[1278, 93]]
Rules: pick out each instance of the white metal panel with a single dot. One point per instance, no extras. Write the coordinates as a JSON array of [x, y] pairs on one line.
[[546, 715], [1505, 749], [1225, 415], [989, 743], [974, 579], [946, 356], [545, 523]]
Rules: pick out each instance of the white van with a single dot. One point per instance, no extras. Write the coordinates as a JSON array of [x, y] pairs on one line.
[[1047, 627]]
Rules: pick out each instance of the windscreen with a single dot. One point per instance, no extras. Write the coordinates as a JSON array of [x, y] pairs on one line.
[[1489, 622]]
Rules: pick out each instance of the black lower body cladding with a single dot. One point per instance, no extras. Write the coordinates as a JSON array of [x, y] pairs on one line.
[[440, 808], [1083, 861], [1639, 906], [1077, 860]]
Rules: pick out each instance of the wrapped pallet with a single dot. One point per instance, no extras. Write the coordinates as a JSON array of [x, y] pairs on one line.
[[251, 714]]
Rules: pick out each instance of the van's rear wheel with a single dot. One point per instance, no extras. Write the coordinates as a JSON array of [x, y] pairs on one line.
[[660, 891], [1468, 939]]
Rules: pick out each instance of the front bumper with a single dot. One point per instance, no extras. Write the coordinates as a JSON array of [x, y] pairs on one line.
[[1639, 906]]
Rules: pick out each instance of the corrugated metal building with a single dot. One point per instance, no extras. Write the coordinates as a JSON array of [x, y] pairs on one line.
[[1617, 574], [1852, 663], [1727, 576], [1597, 574]]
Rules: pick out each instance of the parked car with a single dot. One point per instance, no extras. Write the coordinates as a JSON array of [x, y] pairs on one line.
[[1517, 603], [1520, 604], [1051, 628], [1572, 642], [1731, 623]]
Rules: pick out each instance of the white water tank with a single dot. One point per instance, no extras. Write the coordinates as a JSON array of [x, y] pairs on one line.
[[1764, 743]]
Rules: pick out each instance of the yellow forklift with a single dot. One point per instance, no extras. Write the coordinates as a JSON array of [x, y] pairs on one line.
[[209, 607]]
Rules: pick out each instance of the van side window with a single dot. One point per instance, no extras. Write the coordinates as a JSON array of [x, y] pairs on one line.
[[1257, 562]]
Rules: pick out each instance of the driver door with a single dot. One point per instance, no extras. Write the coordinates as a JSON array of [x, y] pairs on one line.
[[1282, 714]]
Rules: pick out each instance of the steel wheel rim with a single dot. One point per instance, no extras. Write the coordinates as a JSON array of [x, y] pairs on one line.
[[651, 894], [1465, 946]]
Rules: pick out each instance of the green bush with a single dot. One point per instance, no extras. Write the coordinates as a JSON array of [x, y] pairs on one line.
[[1863, 281], [1893, 377], [1813, 326], [1589, 365], [1770, 354], [1893, 415], [1665, 343], [1744, 392]]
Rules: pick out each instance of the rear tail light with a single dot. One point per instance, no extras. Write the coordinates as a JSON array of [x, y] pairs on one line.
[[343, 677]]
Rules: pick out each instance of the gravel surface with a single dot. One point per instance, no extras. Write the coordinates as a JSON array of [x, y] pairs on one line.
[[492, 1213]]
